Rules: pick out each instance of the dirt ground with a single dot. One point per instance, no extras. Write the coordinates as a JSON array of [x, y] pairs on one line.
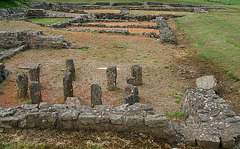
[[131, 30]]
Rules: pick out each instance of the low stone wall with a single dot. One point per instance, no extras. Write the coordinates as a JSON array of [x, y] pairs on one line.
[[115, 26], [11, 52], [137, 117], [166, 34], [13, 13], [39, 5], [32, 39], [210, 121]]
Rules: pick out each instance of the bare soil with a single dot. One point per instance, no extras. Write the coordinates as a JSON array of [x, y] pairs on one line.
[[131, 30]]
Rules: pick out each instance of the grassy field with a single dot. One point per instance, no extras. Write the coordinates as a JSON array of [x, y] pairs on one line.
[[215, 36], [48, 21], [235, 5]]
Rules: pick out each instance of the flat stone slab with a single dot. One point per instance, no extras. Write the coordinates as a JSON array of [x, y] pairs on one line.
[[206, 82], [29, 65], [208, 141]]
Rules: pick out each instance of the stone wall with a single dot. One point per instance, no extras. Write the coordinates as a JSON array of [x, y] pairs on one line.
[[137, 117], [13, 13], [39, 5], [210, 122], [33, 39]]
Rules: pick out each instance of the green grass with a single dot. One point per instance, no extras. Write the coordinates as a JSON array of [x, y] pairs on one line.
[[11, 3], [235, 3], [48, 21], [215, 36]]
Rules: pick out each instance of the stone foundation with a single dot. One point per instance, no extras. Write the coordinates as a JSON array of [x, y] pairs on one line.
[[137, 117]]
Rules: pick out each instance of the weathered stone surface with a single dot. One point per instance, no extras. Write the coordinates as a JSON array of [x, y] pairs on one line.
[[155, 121], [124, 11], [116, 119], [70, 67], [9, 122], [36, 13], [136, 71], [87, 119], [112, 78], [29, 65], [96, 95], [131, 80], [208, 142], [34, 73], [3, 72], [131, 95], [73, 101], [227, 142], [206, 82], [35, 92], [22, 85], [67, 85], [134, 120]]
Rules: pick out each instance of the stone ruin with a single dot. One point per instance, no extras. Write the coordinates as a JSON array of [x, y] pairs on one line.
[[209, 120]]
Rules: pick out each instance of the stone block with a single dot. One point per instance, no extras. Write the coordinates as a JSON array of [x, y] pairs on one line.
[[9, 122], [87, 119], [227, 142], [134, 120], [116, 119], [207, 141], [206, 82], [72, 101], [96, 94], [155, 121]]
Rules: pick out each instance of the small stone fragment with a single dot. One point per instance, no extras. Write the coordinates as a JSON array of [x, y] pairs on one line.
[[72, 101], [96, 95], [208, 142], [137, 74], [35, 92], [112, 78], [22, 85]]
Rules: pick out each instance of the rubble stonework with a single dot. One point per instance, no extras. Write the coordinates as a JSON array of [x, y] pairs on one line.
[[36, 13], [33, 39], [210, 122], [138, 117], [13, 13]]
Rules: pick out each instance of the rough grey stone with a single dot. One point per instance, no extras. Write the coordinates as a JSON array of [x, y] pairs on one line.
[[112, 78], [22, 85], [134, 120], [36, 13], [9, 122], [70, 115], [155, 121], [47, 120], [29, 65], [96, 95], [131, 96], [44, 105], [34, 73], [136, 71], [70, 67], [208, 142], [116, 119], [87, 119], [227, 142], [35, 92], [124, 11], [206, 82], [131, 80], [67, 85], [72, 101]]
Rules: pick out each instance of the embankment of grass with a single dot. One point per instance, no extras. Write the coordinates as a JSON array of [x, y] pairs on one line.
[[234, 3], [11, 3], [215, 36], [48, 21]]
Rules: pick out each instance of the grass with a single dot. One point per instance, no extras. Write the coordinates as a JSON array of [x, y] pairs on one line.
[[48, 21], [12, 3], [175, 114], [235, 3], [215, 36]]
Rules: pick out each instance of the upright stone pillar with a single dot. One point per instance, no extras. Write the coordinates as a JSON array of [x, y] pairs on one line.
[[35, 92], [34, 73], [96, 95], [70, 67], [131, 95], [22, 85], [137, 74], [112, 78], [67, 85]]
